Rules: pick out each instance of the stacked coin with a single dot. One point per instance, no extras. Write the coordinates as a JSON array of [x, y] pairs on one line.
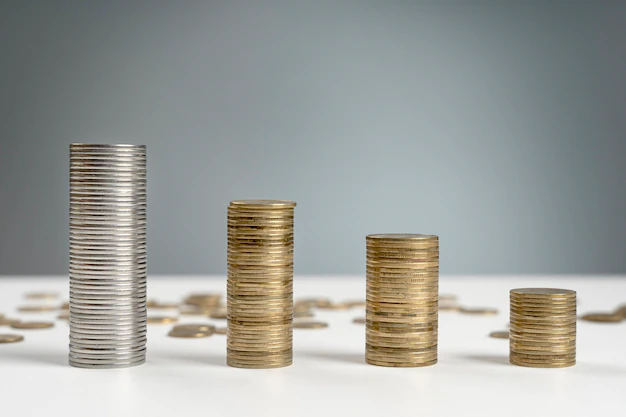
[[260, 278], [543, 327], [401, 300], [107, 255]]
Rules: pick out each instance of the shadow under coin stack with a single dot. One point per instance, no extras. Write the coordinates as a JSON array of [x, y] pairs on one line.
[[107, 255], [260, 283], [543, 327], [402, 300]]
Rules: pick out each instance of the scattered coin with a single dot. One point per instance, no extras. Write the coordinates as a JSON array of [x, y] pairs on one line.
[[621, 310], [500, 334], [358, 320], [447, 298], [151, 303], [449, 307], [164, 306], [221, 330], [65, 306], [194, 310], [303, 314], [64, 315], [220, 313], [205, 328], [312, 302], [334, 306], [309, 325], [5, 321], [41, 295], [355, 304], [11, 338], [478, 310], [603, 317], [31, 325], [188, 333], [36, 309], [204, 299], [161, 320]]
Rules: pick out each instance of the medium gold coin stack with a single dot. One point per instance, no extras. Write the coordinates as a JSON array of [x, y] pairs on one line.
[[543, 327], [401, 316], [260, 283]]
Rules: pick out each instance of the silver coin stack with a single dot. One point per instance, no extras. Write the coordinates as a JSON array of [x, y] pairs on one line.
[[107, 255]]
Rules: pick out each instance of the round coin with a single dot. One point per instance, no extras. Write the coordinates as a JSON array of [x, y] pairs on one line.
[[31, 325], [161, 320], [309, 325], [10, 338], [603, 317]]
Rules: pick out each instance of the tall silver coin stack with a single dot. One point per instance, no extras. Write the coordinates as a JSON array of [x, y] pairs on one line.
[[107, 255]]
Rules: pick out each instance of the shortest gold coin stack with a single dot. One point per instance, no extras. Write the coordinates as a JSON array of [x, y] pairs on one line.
[[402, 300], [260, 283], [543, 327]]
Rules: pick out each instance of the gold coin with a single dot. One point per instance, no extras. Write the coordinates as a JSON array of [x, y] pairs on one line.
[[188, 333], [334, 306], [355, 303], [64, 315], [203, 299], [478, 310], [5, 321], [161, 320], [163, 306], [192, 310], [11, 338], [499, 334], [303, 314], [41, 295], [220, 330], [309, 325], [621, 310], [36, 309], [221, 313], [29, 325], [603, 317], [358, 320], [313, 302], [205, 328]]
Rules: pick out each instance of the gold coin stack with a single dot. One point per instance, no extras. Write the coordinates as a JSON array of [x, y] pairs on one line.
[[260, 283], [402, 300], [543, 327]]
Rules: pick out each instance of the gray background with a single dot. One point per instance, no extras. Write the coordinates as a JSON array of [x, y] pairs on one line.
[[498, 125]]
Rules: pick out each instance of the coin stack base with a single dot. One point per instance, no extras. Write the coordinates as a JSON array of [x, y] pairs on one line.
[[543, 328], [260, 284], [107, 315], [402, 300]]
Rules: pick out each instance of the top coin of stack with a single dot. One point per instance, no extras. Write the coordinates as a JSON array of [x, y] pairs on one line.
[[107, 255], [260, 283], [402, 298], [543, 327]]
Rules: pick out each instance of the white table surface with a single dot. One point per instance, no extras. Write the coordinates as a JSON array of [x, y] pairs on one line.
[[329, 376]]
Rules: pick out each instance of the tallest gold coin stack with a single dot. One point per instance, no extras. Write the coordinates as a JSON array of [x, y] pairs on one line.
[[260, 283], [402, 300]]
